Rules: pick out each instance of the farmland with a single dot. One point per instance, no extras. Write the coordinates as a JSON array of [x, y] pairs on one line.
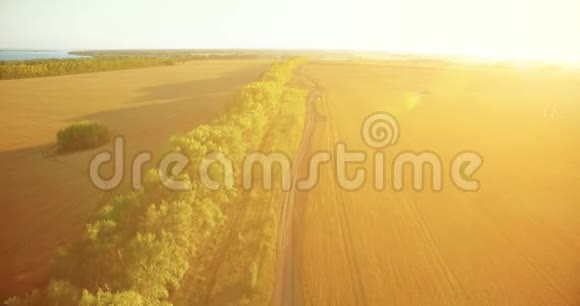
[[513, 242], [47, 197]]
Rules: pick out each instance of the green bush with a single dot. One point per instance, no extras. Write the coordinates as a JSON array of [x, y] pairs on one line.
[[82, 135]]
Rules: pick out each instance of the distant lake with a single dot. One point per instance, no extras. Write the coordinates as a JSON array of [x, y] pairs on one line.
[[16, 55]]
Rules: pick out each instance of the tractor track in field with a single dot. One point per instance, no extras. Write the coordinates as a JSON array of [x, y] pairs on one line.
[[345, 227]]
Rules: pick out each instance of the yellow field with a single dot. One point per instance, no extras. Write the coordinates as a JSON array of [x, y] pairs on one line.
[[47, 197], [514, 242]]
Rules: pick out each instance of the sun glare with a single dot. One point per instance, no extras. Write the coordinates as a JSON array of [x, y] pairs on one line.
[[492, 30]]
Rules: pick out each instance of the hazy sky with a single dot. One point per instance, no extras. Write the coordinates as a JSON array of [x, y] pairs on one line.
[[504, 28]]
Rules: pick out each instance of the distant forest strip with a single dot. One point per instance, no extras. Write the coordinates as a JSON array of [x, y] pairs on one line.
[[110, 60], [137, 248], [179, 54], [55, 67]]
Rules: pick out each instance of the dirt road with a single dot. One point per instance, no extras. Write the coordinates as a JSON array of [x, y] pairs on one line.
[[288, 287]]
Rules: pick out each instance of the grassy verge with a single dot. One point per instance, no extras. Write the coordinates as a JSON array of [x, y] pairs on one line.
[[138, 248]]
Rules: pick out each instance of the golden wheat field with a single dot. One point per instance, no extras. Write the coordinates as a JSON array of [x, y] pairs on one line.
[[290, 153], [47, 197], [513, 242]]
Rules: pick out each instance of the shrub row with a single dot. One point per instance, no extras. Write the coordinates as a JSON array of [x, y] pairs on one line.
[[137, 248]]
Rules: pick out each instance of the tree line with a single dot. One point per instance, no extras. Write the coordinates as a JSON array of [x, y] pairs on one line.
[[55, 67], [136, 249]]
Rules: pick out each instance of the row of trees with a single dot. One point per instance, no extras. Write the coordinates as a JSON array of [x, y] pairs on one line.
[[137, 248], [246, 274], [54, 67], [179, 54]]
